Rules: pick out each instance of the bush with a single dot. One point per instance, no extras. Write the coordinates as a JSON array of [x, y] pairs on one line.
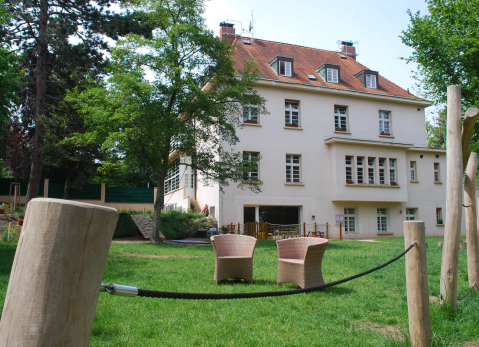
[[179, 225], [125, 227]]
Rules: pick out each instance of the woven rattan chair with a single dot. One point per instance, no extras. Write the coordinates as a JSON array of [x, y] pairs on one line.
[[233, 256], [300, 261]]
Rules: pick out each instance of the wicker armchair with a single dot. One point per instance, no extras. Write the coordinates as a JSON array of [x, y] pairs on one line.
[[300, 261], [233, 256]]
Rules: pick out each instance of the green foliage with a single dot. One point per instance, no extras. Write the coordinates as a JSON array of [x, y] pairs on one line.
[[10, 76], [179, 225], [125, 227], [437, 134], [446, 47]]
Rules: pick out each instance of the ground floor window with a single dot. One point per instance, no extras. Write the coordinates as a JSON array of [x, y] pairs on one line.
[[273, 214], [410, 214], [439, 216], [349, 220], [249, 214], [382, 219]]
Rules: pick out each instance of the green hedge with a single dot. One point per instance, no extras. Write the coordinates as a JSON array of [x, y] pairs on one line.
[[125, 227], [179, 225]]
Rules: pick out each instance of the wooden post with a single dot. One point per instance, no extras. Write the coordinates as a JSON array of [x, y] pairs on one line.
[[56, 274], [327, 230], [416, 284], [340, 232], [304, 229], [471, 221], [103, 193], [452, 232], [10, 227], [238, 227], [45, 187], [315, 227]]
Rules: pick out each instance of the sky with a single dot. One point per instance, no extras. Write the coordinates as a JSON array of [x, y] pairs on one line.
[[374, 24]]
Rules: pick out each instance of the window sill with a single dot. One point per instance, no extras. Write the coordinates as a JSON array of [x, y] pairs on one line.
[[371, 185], [342, 132], [384, 233], [436, 182], [439, 225], [414, 181], [293, 128], [294, 184], [387, 136], [252, 125]]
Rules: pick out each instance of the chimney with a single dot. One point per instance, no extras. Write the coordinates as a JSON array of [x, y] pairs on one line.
[[348, 49], [227, 31]]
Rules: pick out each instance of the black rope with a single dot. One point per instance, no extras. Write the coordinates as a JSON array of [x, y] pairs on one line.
[[199, 296], [469, 292]]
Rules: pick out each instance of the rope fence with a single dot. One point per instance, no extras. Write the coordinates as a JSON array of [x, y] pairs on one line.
[[122, 290]]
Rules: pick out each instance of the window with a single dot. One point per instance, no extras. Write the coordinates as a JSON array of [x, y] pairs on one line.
[[250, 160], [371, 169], [392, 172], [382, 219], [172, 181], [437, 177], [250, 114], [360, 167], [370, 81], [412, 170], [384, 123], [349, 220], [439, 219], [410, 214], [349, 170], [212, 211], [291, 114], [382, 171], [340, 118], [293, 168], [332, 75], [189, 180], [285, 68]]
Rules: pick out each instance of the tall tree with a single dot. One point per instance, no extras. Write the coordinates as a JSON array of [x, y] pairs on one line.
[[446, 49], [175, 93], [30, 27]]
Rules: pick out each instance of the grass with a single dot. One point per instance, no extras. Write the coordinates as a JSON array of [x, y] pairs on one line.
[[356, 313]]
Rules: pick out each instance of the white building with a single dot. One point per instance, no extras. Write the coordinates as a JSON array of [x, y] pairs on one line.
[[341, 142]]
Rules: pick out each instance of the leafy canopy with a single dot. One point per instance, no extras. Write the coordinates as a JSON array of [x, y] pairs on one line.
[[446, 47]]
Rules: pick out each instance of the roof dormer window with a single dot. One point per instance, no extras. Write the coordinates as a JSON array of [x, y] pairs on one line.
[[283, 66], [332, 76], [330, 73], [368, 78], [370, 81]]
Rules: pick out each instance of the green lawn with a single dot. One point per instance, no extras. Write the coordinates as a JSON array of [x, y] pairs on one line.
[[356, 313]]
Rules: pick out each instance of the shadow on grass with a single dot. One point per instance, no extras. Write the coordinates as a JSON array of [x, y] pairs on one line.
[[7, 253]]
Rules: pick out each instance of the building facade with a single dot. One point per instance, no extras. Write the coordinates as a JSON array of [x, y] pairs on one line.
[[341, 144]]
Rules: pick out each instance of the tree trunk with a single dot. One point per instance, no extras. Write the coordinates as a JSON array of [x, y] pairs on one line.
[[38, 144], [159, 204], [452, 233], [66, 188], [471, 221]]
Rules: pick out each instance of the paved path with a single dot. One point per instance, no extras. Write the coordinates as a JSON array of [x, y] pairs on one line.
[[145, 225]]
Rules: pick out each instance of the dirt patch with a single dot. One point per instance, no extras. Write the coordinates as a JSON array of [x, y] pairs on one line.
[[434, 299], [470, 344], [159, 256], [385, 330]]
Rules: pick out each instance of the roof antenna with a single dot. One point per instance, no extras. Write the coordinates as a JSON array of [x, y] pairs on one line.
[[250, 30]]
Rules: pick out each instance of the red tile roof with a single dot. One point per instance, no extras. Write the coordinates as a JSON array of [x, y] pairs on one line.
[[306, 61]]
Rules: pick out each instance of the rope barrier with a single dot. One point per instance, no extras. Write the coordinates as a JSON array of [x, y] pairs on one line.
[[122, 290], [469, 292]]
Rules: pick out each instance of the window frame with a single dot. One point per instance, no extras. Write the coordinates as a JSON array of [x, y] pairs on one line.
[[411, 213], [372, 170], [333, 77], [437, 173], [370, 79], [385, 123], [249, 156], [340, 118], [382, 169], [287, 64], [393, 171], [249, 118], [412, 171], [172, 180], [439, 216], [348, 219], [360, 168], [288, 113], [291, 166], [382, 219], [349, 166]]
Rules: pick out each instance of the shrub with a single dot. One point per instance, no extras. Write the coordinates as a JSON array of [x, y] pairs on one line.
[[176, 225], [125, 227]]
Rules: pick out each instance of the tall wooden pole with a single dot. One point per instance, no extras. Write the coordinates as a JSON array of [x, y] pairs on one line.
[[56, 274], [471, 221], [417, 286], [452, 233]]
